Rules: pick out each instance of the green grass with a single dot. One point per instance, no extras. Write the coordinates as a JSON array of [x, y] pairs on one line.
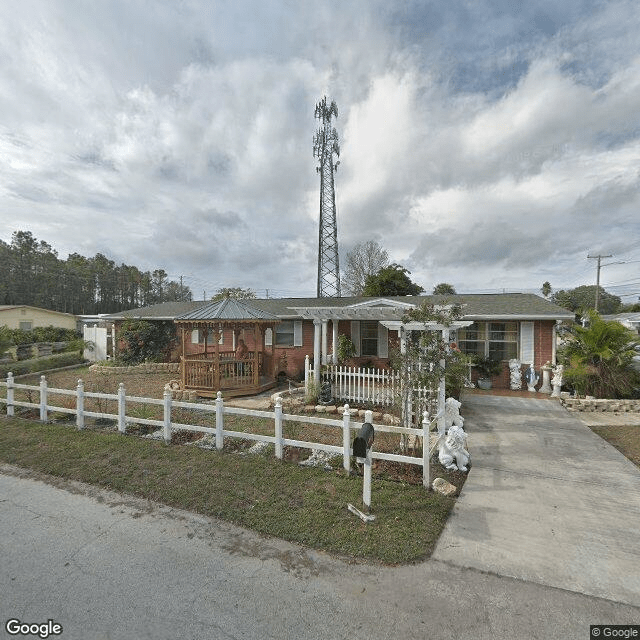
[[282, 499]]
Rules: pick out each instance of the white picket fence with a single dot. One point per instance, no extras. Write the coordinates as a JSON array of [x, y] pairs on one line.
[[218, 411], [379, 387]]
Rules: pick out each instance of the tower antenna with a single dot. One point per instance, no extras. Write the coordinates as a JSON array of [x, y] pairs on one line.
[[325, 145]]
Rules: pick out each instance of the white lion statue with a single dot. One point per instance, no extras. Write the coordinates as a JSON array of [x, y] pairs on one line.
[[452, 417], [452, 454]]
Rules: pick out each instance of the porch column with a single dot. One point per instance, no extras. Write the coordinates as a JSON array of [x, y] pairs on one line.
[[334, 341], [316, 351], [402, 332], [324, 341]]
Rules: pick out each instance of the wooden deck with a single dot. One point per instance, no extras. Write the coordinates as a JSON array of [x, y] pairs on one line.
[[207, 374]]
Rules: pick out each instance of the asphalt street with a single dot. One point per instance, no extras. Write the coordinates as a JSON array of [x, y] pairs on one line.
[[106, 566]]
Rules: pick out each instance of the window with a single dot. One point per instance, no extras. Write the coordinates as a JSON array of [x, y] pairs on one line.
[[498, 340], [288, 333], [284, 333], [503, 340], [26, 326], [369, 338], [471, 339]]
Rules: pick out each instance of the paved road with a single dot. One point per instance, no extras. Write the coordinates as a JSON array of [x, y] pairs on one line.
[[106, 566], [547, 501]]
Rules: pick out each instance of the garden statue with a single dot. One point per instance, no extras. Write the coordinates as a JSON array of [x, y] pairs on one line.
[[452, 415], [325, 396], [556, 381], [515, 374], [531, 378], [452, 453], [546, 371]]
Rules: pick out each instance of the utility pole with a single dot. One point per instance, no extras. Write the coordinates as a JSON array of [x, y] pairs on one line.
[[598, 258], [325, 144]]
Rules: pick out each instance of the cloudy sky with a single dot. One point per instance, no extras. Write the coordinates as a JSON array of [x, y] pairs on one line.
[[489, 144]]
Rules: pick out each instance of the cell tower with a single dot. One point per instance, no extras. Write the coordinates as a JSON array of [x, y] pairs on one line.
[[325, 144]]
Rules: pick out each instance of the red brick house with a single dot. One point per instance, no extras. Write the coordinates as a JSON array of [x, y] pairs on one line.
[[503, 326]]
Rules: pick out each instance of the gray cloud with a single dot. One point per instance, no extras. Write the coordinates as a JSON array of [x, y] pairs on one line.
[[488, 143]]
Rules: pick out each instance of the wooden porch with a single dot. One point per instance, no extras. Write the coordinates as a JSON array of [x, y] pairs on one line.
[[208, 373]]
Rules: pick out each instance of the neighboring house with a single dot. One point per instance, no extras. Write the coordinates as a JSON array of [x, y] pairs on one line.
[[20, 316], [630, 320], [504, 326]]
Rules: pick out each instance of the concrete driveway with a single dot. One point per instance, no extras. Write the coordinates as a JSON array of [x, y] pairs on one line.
[[547, 501]]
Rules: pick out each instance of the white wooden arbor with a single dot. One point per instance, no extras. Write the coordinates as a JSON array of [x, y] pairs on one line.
[[378, 309]]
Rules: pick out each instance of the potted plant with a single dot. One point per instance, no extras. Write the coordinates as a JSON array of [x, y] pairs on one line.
[[487, 368]]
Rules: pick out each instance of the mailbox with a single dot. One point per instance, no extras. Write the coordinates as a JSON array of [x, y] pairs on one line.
[[363, 441]]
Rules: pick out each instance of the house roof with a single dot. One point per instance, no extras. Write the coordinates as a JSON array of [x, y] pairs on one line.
[[228, 309], [499, 306], [8, 307]]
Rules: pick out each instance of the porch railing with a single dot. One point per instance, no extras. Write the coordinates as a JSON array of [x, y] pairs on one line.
[[205, 371]]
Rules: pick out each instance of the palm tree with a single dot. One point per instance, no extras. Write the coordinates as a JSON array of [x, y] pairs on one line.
[[598, 358]]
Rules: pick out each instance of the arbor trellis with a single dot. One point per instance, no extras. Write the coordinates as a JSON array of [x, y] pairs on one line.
[[325, 145]]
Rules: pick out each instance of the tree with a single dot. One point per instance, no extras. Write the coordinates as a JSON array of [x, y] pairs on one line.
[[364, 260], [391, 281], [583, 298], [236, 293], [546, 289], [598, 358], [444, 289], [142, 341]]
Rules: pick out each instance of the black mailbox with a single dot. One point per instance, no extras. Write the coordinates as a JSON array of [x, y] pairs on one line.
[[363, 441]]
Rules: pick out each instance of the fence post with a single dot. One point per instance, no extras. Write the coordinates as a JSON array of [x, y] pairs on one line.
[[122, 409], [167, 416], [80, 405], [278, 428], [306, 373], [346, 437], [10, 394], [366, 484], [219, 421], [43, 399], [426, 446]]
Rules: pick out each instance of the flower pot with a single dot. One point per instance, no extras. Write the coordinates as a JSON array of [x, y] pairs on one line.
[[484, 383]]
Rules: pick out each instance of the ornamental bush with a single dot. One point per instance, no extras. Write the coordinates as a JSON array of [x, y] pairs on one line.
[[598, 358], [144, 341]]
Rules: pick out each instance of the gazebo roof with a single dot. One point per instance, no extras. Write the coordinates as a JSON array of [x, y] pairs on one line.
[[228, 309]]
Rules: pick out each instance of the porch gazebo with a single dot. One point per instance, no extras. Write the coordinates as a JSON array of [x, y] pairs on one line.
[[216, 368]]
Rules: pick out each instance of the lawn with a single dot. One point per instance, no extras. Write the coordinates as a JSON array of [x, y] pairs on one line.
[[257, 491], [282, 499]]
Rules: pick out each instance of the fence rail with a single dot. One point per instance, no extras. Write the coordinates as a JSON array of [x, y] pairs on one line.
[[218, 410]]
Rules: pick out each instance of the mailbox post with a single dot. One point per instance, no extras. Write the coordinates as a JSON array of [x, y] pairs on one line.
[[362, 452]]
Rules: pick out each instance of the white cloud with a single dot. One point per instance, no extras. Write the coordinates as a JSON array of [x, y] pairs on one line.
[[479, 143]]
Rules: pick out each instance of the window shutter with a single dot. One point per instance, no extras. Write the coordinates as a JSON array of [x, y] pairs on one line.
[[355, 335], [195, 335], [297, 333], [383, 341], [268, 337], [527, 350]]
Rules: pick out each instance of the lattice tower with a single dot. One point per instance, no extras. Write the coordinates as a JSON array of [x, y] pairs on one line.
[[325, 145]]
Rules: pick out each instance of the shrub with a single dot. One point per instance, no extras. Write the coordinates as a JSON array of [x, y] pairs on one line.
[[598, 359], [144, 341], [35, 365]]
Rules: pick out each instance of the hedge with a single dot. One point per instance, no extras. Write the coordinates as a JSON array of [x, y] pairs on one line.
[[41, 364]]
